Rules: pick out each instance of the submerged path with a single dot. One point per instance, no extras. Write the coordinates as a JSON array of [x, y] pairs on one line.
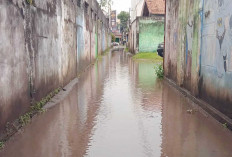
[[119, 109]]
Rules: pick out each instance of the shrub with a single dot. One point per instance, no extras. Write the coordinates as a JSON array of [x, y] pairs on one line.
[[159, 71], [126, 49], [2, 145], [113, 38], [29, 1]]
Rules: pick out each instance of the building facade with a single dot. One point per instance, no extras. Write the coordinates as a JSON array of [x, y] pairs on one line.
[[114, 25], [147, 29]]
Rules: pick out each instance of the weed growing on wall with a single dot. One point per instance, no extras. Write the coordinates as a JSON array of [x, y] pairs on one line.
[[159, 71], [2, 144], [37, 108], [225, 125], [126, 49], [29, 1], [106, 52], [23, 120]]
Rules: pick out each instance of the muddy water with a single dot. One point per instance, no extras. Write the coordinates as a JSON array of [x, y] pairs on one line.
[[119, 109]]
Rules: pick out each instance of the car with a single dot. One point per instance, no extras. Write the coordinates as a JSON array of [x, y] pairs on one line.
[[160, 49], [115, 44]]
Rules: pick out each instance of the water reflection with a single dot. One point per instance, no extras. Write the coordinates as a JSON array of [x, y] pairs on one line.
[[190, 135], [119, 108], [129, 119]]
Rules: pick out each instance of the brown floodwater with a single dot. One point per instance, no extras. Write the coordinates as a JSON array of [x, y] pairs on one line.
[[119, 109]]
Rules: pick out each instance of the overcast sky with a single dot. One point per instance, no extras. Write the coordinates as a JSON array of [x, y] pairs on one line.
[[121, 5]]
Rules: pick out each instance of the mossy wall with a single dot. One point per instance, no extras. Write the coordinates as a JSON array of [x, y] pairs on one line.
[[43, 46], [151, 34], [198, 49]]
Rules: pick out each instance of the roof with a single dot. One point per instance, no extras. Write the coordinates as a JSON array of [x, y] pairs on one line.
[[156, 6], [117, 34]]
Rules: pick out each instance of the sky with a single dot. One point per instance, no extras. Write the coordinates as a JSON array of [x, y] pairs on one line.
[[121, 5]]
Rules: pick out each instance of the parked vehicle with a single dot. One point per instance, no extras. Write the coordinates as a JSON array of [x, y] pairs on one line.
[[115, 44], [160, 49]]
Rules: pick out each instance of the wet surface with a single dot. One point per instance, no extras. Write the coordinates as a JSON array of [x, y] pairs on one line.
[[119, 109]]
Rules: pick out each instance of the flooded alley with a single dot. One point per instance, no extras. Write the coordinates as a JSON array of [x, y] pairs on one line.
[[118, 108]]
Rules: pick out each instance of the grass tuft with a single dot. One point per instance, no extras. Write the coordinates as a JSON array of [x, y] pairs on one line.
[[159, 71], [29, 1], [126, 49], [225, 125], [106, 52], [2, 145], [37, 108], [152, 56], [25, 119]]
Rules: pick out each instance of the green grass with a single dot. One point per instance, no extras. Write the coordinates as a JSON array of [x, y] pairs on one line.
[[126, 49], [104, 53], [148, 56], [37, 108], [2, 144], [29, 1], [159, 71], [225, 125]]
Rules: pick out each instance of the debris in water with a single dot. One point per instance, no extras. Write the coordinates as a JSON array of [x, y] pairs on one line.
[[190, 111]]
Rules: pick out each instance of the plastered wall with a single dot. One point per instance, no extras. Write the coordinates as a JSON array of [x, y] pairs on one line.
[[43, 46], [198, 49]]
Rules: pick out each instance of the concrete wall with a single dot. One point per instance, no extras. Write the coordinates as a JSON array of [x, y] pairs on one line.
[[198, 47], [151, 33], [134, 37], [42, 47], [146, 34]]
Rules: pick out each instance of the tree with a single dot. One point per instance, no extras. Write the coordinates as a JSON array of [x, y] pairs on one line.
[[113, 37], [105, 3], [124, 17]]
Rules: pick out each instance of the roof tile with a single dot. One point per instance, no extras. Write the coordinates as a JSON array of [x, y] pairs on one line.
[[156, 6]]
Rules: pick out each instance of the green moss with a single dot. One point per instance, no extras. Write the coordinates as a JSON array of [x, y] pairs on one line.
[[127, 49], [225, 125], [106, 52], [37, 108], [25, 119], [2, 144], [151, 34], [99, 57], [148, 56], [29, 1]]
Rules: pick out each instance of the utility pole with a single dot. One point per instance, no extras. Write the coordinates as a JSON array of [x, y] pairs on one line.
[[109, 12]]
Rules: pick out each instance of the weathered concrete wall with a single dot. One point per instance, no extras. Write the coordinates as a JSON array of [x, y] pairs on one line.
[[146, 34], [93, 27], [134, 37], [42, 47], [151, 33], [198, 47], [14, 67]]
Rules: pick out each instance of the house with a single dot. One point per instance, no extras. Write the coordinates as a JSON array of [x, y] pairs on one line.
[[147, 29]]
